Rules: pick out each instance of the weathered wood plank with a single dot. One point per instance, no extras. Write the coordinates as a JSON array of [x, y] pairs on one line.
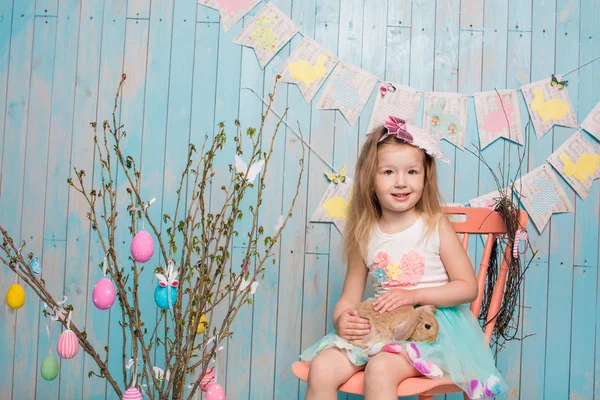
[[314, 309], [113, 41], [34, 183], [154, 134], [140, 8], [560, 278], [84, 93], [15, 115], [445, 79], [583, 309], [471, 14]]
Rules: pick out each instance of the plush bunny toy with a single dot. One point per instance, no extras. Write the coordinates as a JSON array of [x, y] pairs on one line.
[[404, 323]]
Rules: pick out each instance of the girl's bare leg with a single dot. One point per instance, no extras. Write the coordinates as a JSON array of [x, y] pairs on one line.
[[328, 370]]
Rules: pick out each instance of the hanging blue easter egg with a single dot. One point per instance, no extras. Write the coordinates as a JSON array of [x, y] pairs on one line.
[[166, 291], [161, 296], [36, 266]]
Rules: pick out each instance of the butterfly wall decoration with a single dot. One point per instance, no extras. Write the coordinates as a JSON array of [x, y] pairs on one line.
[[558, 84], [337, 178]]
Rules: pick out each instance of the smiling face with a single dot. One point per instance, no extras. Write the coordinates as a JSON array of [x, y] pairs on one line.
[[399, 179]]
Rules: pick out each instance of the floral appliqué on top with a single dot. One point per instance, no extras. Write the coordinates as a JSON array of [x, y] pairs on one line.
[[406, 273]]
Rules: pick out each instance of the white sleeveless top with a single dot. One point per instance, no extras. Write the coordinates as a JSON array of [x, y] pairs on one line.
[[405, 260]]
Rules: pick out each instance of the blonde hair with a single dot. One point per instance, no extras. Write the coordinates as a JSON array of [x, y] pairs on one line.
[[364, 209]]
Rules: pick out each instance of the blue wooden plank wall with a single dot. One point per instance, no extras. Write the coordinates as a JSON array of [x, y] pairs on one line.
[[60, 62]]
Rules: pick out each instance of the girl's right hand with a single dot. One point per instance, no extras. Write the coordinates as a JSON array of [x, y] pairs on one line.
[[351, 326]]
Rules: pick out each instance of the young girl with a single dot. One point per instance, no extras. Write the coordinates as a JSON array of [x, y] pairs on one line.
[[396, 235]]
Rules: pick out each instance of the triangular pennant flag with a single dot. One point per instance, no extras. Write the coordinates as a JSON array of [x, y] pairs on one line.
[[333, 206], [592, 122], [498, 116], [397, 100], [488, 200], [445, 116], [231, 11], [348, 90], [308, 67], [578, 162], [541, 195], [268, 32], [548, 105]]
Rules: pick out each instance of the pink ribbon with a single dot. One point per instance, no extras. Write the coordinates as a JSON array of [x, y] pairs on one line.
[[520, 234], [397, 127]]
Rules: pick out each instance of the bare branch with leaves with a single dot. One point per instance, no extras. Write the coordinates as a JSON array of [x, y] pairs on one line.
[[197, 240]]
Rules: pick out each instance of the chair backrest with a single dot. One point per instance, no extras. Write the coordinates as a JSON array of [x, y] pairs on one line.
[[484, 221]]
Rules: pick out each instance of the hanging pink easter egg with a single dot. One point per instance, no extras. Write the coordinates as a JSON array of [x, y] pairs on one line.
[[67, 345], [142, 246], [209, 378], [132, 394], [104, 294], [214, 391]]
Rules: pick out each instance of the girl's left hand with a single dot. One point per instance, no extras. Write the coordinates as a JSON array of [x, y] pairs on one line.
[[393, 299]]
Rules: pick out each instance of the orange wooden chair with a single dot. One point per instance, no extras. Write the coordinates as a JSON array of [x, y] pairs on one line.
[[482, 221]]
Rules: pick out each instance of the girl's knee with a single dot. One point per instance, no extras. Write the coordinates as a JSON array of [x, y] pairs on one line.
[[386, 368], [378, 369], [325, 370], [319, 369]]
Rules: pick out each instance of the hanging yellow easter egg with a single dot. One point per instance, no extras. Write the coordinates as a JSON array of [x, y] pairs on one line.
[[202, 324], [15, 297]]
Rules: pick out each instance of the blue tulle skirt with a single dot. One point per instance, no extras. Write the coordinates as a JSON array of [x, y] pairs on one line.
[[461, 353]]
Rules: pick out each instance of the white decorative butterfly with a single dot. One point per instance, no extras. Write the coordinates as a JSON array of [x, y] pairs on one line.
[[279, 223], [160, 374], [245, 283], [130, 362], [254, 170]]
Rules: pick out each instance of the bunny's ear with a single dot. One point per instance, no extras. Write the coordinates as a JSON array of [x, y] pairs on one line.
[[161, 278], [173, 275], [429, 309], [405, 329]]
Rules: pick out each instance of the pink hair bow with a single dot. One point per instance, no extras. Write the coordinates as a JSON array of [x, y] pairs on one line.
[[397, 127]]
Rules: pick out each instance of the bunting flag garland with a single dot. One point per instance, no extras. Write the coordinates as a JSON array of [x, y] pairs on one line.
[[498, 116], [308, 67], [348, 90], [334, 204], [592, 122], [268, 32], [542, 195], [395, 99], [445, 116], [488, 200], [231, 11], [578, 162], [548, 105]]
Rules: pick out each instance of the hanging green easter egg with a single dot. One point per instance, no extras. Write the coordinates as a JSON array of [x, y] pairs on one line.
[[49, 368]]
